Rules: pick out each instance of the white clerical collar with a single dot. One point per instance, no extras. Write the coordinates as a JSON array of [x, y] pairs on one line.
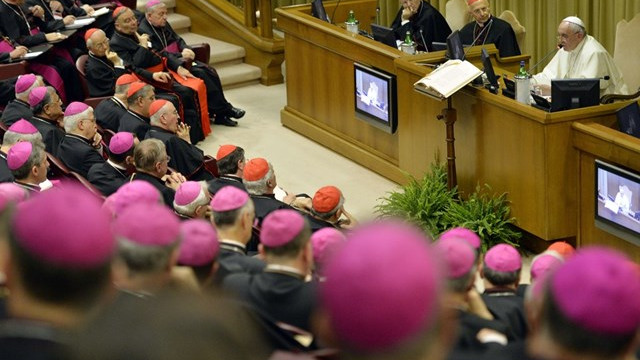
[[284, 268], [233, 242], [120, 101], [119, 167]]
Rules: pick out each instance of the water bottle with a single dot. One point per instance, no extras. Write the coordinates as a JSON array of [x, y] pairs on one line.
[[523, 79], [408, 45], [352, 23]]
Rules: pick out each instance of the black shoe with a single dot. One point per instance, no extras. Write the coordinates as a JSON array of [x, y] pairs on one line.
[[223, 120], [235, 112]]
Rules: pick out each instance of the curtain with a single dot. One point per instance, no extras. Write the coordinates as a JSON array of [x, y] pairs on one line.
[[541, 18]]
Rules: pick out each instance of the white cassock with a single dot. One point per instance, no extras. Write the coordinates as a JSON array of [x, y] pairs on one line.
[[588, 60]]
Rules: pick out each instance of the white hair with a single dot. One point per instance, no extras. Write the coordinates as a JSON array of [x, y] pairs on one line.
[[259, 187], [155, 118], [190, 208], [71, 122]]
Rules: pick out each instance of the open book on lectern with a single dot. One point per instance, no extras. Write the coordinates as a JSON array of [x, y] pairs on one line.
[[447, 79]]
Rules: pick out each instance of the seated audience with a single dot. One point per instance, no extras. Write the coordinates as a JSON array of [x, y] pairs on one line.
[[59, 271], [136, 119], [233, 216], [47, 116], [423, 22], [231, 161], [192, 201], [501, 275], [148, 236], [581, 56], [164, 39], [151, 160], [383, 299], [324, 243], [327, 207], [281, 291], [166, 126], [199, 249], [109, 112], [488, 29], [19, 108], [103, 66], [589, 309], [29, 165], [21, 130], [81, 146], [110, 175]]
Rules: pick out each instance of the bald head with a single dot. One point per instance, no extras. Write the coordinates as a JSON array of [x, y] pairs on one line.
[[98, 43]]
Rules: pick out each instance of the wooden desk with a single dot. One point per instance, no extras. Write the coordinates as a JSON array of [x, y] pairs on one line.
[[513, 147]]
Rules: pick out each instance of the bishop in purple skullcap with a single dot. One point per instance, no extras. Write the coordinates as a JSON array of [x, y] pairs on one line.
[[121, 142], [19, 154], [11, 193], [187, 193], [503, 258], [25, 82], [199, 244], [147, 224], [382, 287], [36, 95], [469, 236], [22, 126], [280, 227], [135, 192], [457, 254], [324, 243], [75, 108], [543, 264], [65, 227], [229, 198]]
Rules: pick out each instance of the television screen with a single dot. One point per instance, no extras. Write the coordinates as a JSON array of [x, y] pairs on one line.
[[375, 97], [384, 35], [629, 119], [618, 201], [318, 11], [454, 46], [488, 68], [569, 94]]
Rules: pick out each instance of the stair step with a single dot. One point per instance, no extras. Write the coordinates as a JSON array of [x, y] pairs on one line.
[[141, 3], [221, 52], [238, 75], [179, 22]]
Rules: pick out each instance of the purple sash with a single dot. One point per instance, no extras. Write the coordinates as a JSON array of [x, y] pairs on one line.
[[5, 46], [173, 47], [50, 74]]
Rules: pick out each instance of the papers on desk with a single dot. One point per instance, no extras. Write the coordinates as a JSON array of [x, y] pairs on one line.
[[101, 11], [80, 23], [447, 79], [32, 55]]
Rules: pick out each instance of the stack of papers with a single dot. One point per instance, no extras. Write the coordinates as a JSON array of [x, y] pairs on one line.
[[80, 23]]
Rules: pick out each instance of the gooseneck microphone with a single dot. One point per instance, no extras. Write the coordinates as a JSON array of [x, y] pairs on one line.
[[545, 57], [486, 26], [424, 43], [334, 12]]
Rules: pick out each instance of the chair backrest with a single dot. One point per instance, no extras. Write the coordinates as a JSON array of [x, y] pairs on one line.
[[520, 31], [57, 168], [81, 63], [457, 14], [626, 51], [89, 186]]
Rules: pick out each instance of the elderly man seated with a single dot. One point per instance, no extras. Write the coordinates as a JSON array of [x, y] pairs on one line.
[[28, 164], [47, 116], [81, 146], [192, 201], [21, 130], [151, 160]]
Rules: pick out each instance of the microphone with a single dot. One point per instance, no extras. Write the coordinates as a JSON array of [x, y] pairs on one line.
[[486, 26], [544, 58], [378, 15], [424, 43], [334, 12]]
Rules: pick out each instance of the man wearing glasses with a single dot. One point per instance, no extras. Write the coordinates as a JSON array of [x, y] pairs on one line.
[[81, 146], [581, 56]]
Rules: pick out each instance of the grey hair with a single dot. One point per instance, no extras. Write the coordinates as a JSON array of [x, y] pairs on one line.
[[71, 122], [90, 42], [155, 118], [329, 214], [46, 100], [11, 138], [577, 28], [200, 200], [461, 284], [259, 187], [145, 258], [24, 96], [37, 153], [147, 153], [153, 8]]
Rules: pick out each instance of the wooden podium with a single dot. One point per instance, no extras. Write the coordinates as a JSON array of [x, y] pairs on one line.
[[513, 147]]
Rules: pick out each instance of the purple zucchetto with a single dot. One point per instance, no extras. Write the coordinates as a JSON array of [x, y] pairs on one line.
[[280, 227], [472, 238], [382, 286], [75, 108], [503, 258], [36, 95], [199, 244], [324, 243], [19, 154], [65, 227], [24, 127], [457, 254], [147, 224], [121, 142], [598, 290], [543, 264], [229, 198], [135, 192], [25, 82], [187, 193]]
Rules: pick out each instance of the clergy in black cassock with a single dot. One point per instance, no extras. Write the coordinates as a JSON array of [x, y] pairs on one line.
[[47, 111], [488, 29], [419, 15]]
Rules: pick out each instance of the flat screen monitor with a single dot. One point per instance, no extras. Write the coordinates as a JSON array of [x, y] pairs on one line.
[[454, 46], [318, 11], [629, 119], [375, 97], [488, 68], [384, 35], [617, 201], [569, 94]]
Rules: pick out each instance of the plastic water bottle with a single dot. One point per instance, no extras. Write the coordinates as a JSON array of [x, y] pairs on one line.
[[408, 45], [352, 23], [522, 79]]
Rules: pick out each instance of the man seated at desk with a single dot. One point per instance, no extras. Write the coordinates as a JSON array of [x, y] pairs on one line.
[[497, 31], [423, 21], [580, 56]]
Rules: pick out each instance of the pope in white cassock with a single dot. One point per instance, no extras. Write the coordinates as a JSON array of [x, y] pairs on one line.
[[581, 56]]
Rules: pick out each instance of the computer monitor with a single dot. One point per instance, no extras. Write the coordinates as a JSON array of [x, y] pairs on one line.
[[569, 94], [617, 201], [488, 69], [454, 46], [375, 97], [318, 11], [629, 119], [438, 46], [384, 35]]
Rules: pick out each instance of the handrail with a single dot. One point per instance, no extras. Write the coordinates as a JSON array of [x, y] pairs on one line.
[[264, 27]]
